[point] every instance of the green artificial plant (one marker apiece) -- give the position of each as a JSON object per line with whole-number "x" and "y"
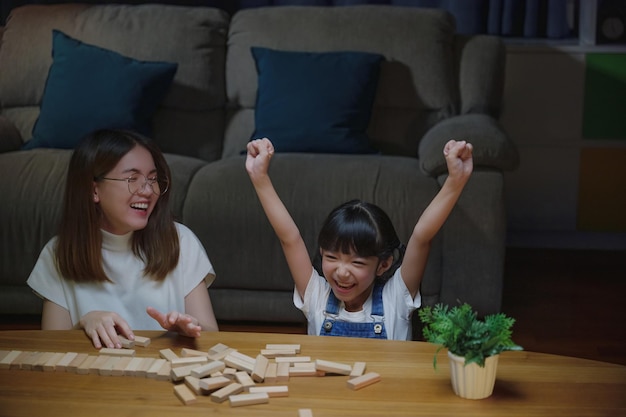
{"x": 461, "y": 331}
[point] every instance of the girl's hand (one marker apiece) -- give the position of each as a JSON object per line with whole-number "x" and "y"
{"x": 260, "y": 152}
{"x": 459, "y": 159}
{"x": 102, "y": 328}
{"x": 176, "y": 322}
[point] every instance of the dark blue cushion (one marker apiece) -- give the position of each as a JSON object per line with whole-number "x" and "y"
{"x": 89, "y": 88}
{"x": 315, "y": 102}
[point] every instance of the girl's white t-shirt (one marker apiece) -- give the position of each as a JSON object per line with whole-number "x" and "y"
{"x": 129, "y": 293}
{"x": 398, "y": 306}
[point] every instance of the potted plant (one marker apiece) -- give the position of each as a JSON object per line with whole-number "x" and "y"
{"x": 473, "y": 344}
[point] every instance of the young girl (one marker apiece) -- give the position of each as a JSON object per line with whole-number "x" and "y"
{"x": 120, "y": 262}
{"x": 363, "y": 292}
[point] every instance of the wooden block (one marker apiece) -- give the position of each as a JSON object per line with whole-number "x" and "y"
{"x": 186, "y": 352}
{"x": 213, "y": 383}
{"x": 238, "y": 400}
{"x": 76, "y": 362}
{"x": 239, "y": 363}
{"x": 219, "y": 356}
{"x": 229, "y": 373}
{"x": 305, "y": 412}
{"x": 179, "y": 373}
{"x": 142, "y": 369}
{"x": 223, "y": 393}
{"x": 218, "y": 348}
{"x": 41, "y": 361}
{"x": 120, "y": 367}
{"x": 244, "y": 379}
{"x": 95, "y": 366}
{"x": 154, "y": 368}
{"x": 358, "y": 369}
{"x": 208, "y": 369}
{"x": 280, "y": 346}
{"x": 116, "y": 352}
{"x": 242, "y": 356}
{"x": 168, "y": 354}
{"x": 84, "y": 366}
{"x": 282, "y": 372}
{"x": 28, "y": 361}
{"x": 293, "y": 359}
{"x": 133, "y": 365}
{"x": 142, "y": 341}
{"x": 17, "y": 362}
{"x": 274, "y": 353}
{"x": 189, "y": 360}
{"x": 363, "y": 380}
{"x": 164, "y": 374}
{"x": 107, "y": 368}
{"x": 193, "y": 383}
{"x": 271, "y": 391}
{"x": 126, "y": 344}
{"x": 184, "y": 394}
{"x": 333, "y": 367}
{"x": 65, "y": 361}
{"x": 5, "y": 363}
{"x": 307, "y": 369}
{"x": 260, "y": 365}
{"x": 3, "y": 353}
{"x": 270, "y": 372}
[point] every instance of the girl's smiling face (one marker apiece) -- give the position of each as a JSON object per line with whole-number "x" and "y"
{"x": 351, "y": 277}
{"x": 123, "y": 212}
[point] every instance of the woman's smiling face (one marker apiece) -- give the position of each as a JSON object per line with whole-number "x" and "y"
{"x": 123, "y": 212}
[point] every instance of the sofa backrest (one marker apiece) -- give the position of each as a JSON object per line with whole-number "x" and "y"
{"x": 190, "y": 120}
{"x": 417, "y": 85}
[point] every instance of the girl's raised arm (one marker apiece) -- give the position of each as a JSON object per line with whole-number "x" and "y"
{"x": 260, "y": 152}
{"x": 459, "y": 160}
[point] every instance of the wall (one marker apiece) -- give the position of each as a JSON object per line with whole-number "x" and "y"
{"x": 570, "y": 190}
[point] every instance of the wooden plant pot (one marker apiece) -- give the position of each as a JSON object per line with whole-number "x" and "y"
{"x": 472, "y": 381}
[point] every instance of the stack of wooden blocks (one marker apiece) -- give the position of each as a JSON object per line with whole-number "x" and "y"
{"x": 222, "y": 373}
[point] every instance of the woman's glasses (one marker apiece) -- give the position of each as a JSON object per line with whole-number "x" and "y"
{"x": 158, "y": 186}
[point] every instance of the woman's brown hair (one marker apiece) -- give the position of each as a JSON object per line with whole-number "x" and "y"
{"x": 79, "y": 241}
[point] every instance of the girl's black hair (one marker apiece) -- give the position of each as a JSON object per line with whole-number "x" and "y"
{"x": 364, "y": 228}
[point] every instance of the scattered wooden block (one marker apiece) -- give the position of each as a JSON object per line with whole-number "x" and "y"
{"x": 358, "y": 369}
{"x": 185, "y": 352}
{"x": 194, "y": 384}
{"x": 281, "y": 346}
{"x": 208, "y": 369}
{"x": 305, "y": 412}
{"x": 244, "y": 379}
{"x": 189, "y": 360}
{"x": 178, "y": 373}
{"x": 238, "y": 400}
{"x": 303, "y": 369}
{"x": 142, "y": 341}
{"x": 239, "y": 363}
{"x": 214, "y": 383}
{"x": 223, "y": 393}
{"x": 126, "y": 344}
{"x": 270, "y": 373}
{"x": 271, "y": 391}
{"x": 282, "y": 372}
{"x": 363, "y": 380}
{"x": 229, "y": 373}
{"x": 274, "y": 353}
{"x": 184, "y": 394}
{"x": 293, "y": 359}
{"x": 116, "y": 352}
{"x": 168, "y": 354}
{"x": 333, "y": 367}
{"x": 260, "y": 366}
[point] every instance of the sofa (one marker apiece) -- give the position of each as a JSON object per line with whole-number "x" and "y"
{"x": 430, "y": 85}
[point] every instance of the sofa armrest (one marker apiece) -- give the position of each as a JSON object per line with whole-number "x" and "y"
{"x": 492, "y": 146}
{"x": 10, "y": 138}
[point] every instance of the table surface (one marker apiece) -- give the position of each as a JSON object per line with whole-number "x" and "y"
{"x": 527, "y": 383}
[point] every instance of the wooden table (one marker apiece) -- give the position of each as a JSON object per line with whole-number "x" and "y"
{"x": 528, "y": 384}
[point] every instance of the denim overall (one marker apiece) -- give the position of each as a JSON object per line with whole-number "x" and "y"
{"x": 373, "y": 330}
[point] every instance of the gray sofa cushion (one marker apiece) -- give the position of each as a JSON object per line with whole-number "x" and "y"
{"x": 412, "y": 94}
{"x": 195, "y": 38}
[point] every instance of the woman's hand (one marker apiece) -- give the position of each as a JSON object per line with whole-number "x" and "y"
{"x": 102, "y": 327}
{"x": 176, "y": 322}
